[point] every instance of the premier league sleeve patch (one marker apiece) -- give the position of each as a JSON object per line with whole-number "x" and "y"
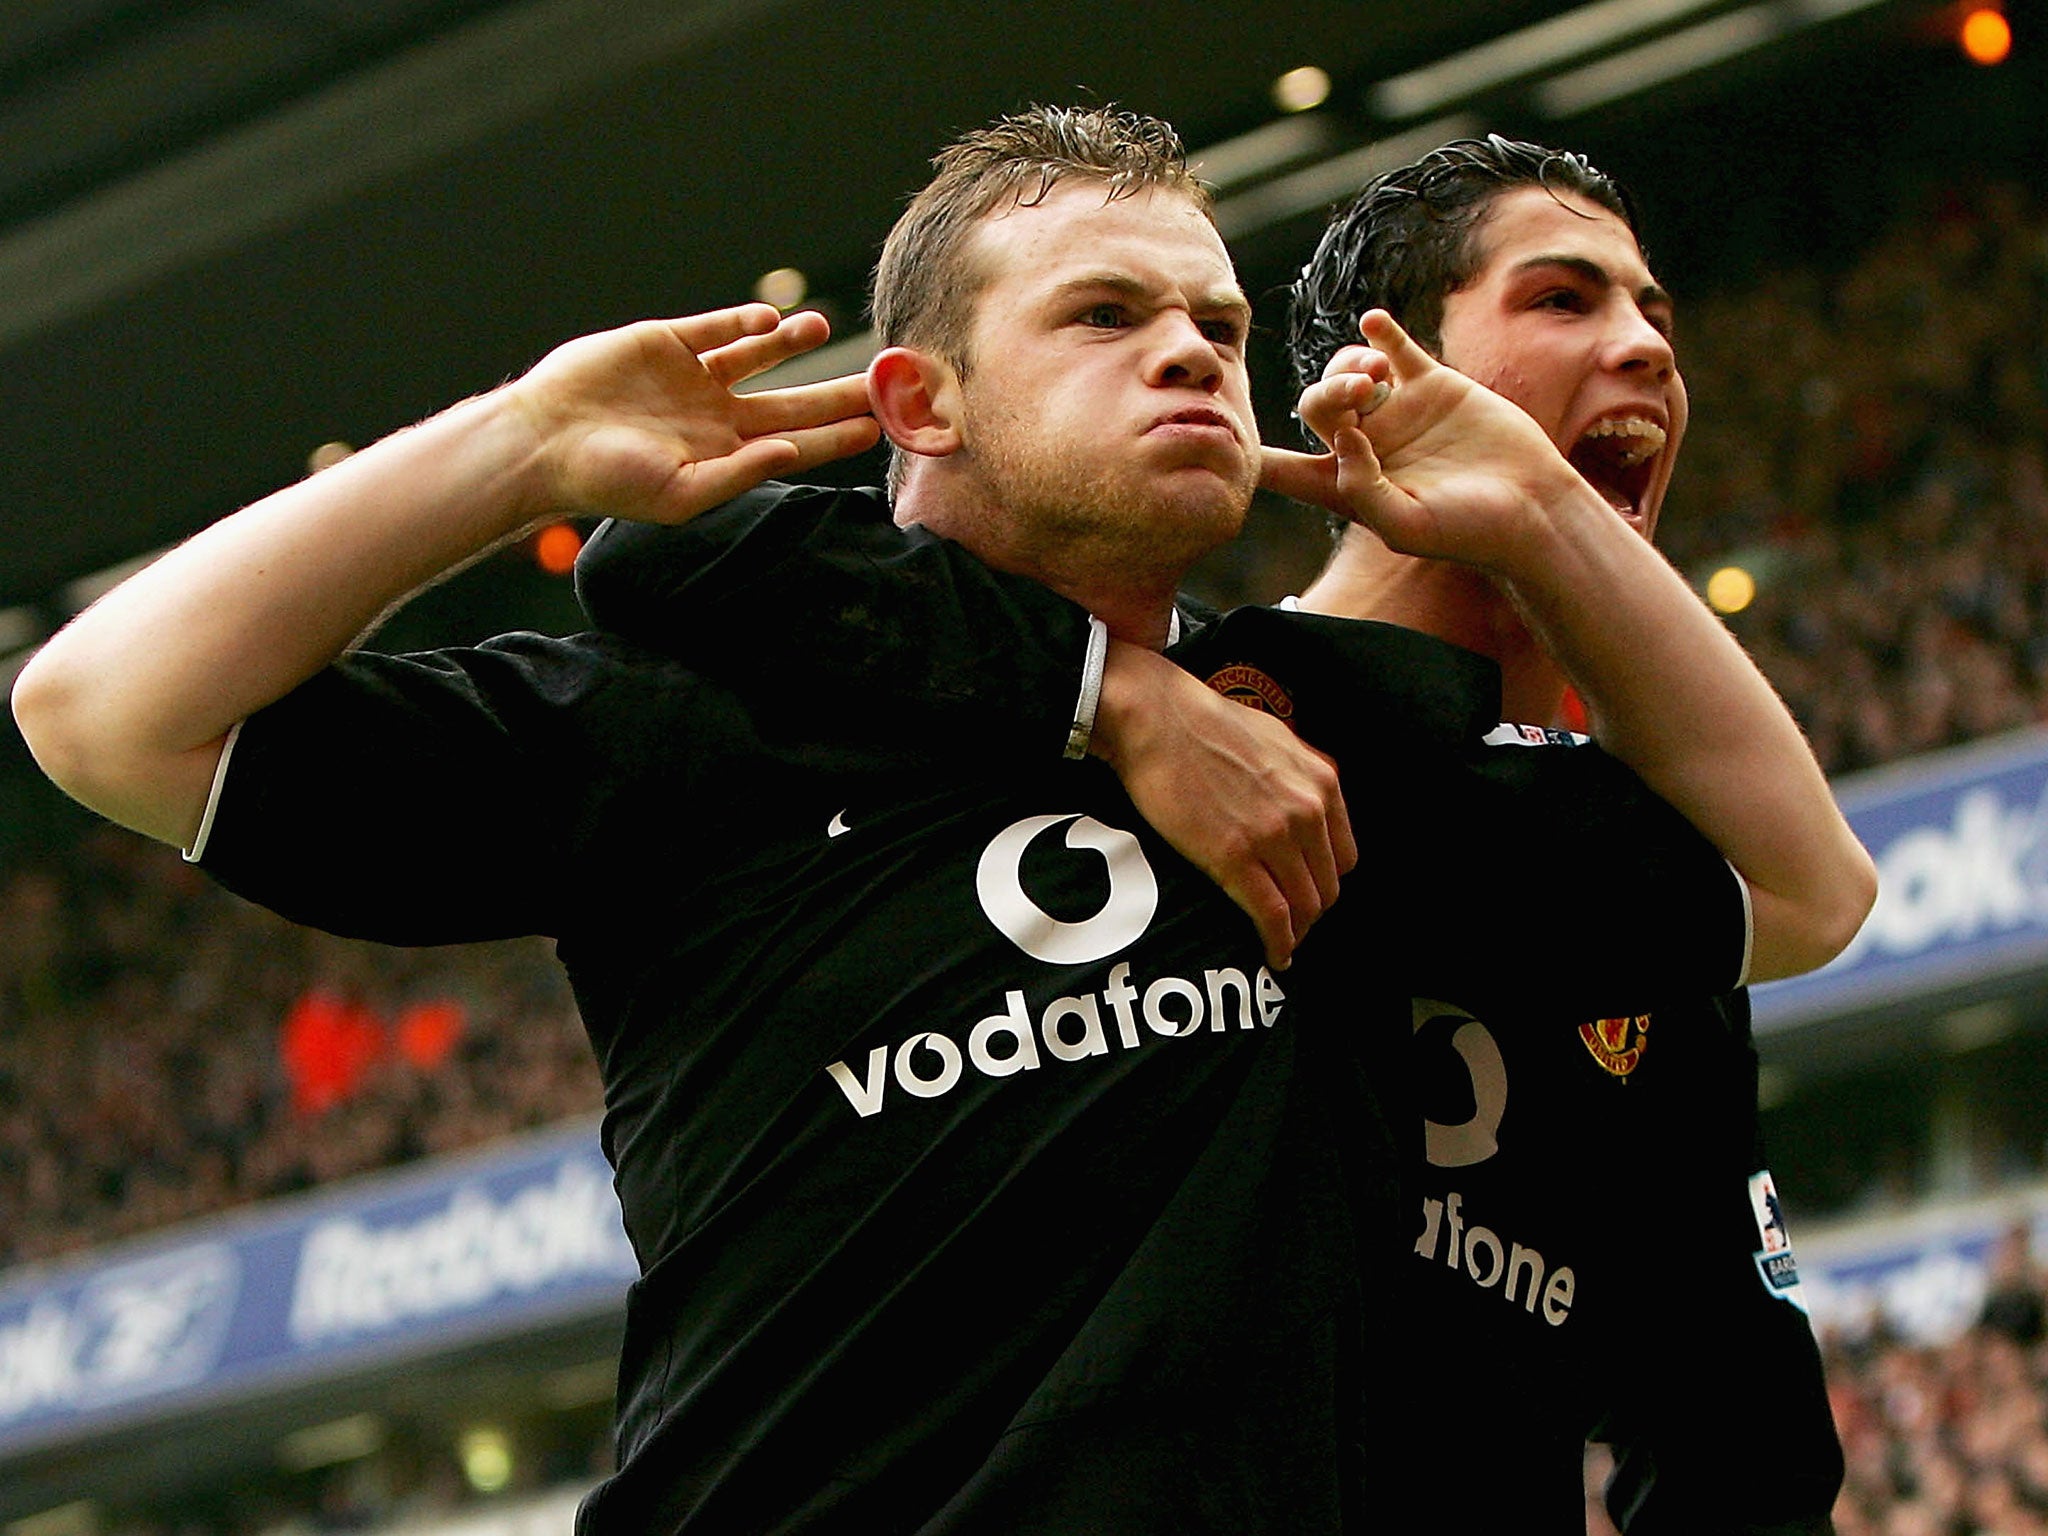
{"x": 1508, "y": 734}
{"x": 1774, "y": 1260}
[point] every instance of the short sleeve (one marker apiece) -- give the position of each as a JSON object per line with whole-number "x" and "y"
{"x": 1484, "y": 871}
{"x": 432, "y": 798}
{"x": 1551, "y": 867}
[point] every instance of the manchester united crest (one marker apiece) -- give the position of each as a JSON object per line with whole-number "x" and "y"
{"x": 1617, "y": 1044}
{"x": 1250, "y": 686}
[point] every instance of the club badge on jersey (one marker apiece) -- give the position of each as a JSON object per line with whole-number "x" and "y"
{"x": 1508, "y": 734}
{"x": 1249, "y": 686}
{"x": 1617, "y": 1044}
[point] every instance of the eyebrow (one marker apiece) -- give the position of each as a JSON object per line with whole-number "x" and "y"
{"x": 1229, "y": 301}
{"x": 1593, "y": 272}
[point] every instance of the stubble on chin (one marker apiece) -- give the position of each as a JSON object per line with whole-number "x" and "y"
{"x": 1068, "y": 510}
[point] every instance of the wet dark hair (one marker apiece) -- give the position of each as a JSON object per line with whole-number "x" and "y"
{"x": 1406, "y": 242}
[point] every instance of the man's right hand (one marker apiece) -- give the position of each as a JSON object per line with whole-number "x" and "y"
{"x": 644, "y": 422}
{"x": 1235, "y": 792}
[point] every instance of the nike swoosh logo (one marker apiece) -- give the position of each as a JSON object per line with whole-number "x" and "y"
{"x": 838, "y": 827}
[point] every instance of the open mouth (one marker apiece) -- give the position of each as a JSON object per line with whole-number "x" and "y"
{"x": 1617, "y": 456}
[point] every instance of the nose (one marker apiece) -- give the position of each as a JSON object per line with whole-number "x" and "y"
{"x": 1183, "y": 355}
{"x": 1638, "y": 346}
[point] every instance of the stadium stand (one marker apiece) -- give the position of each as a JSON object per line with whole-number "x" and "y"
{"x": 1889, "y": 487}
{"x": 168, "y": 1051}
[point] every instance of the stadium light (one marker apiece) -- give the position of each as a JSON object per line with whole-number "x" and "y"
{"x": 1686, "y": 52}
{"x": 486, "y": 1456}
{"x": 1321, "y": 184}
{"x": 1731, "y": 589}
{"x": 784, "y": 287}
{"x": 1986, "y": 36}
{"x": 1300, "y": 89}
{"x": 1654, "y": 63}
{"x": 556, "y": 547}
{"x": 327, "y": 455}
{"x": 326, "y": 1445}
{"x": 1282, "y": 142}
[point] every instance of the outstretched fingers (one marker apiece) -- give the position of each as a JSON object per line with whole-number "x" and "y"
{"x": 699, "y": 484}
{"x": 1347, "y": 480}
{"x": 1303, "y": 477}
{"x": 716, "y": 328}
{"x": 831, "y": 441}
{"x": 824, "y": 421}
{"x": 1402, "y": 351}
{"x": 802, "y": 405}
{"x": 755, "y": 352}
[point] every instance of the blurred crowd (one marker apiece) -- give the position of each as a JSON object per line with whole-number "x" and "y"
{"x": 168, "y": 1050}
{"x": 1871, "y": 445}
{"x": 1950, "y": 1439}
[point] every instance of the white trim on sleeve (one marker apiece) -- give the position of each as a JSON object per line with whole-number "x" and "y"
{"x": 220, "y": 774}
{"x": 1748, "y": 927}
{"x": 1091, "y": 689}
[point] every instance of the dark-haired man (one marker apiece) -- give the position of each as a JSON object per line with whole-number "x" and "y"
{"x": 1623, "y": 1148}
{"x": 981, "y": 1177}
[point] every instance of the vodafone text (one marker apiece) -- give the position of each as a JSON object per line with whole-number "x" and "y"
{"x": 1487, "y": 1262}
{"x": 1476, "y": 1251}
{"x": 1007, "y": 1041}
{"x": 1070, "y": 1028}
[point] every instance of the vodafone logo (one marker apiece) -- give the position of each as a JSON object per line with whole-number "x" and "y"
{"x": 1133, "y": 892}
{"x": 1474, "y": 1140}
{"x": 1516, "y": 1272}
{"x": 1104, "y": 1013}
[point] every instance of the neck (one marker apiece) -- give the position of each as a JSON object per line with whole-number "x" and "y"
{"x": 1134, "y": 601}
{"x": 1366, "y": 580}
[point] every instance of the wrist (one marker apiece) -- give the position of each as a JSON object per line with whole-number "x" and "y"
{"x": 1561, "y": 519}
{"x": 1129, "y": 679}
{"x": 517, "y": 443}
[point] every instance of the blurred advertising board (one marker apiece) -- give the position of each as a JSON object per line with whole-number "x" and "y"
{"x": 1961, "y": 843}
{"x": 1922, "y": 1275}
{"x": 406, "y": 1263}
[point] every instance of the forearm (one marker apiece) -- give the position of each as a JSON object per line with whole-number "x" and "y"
{"x": 127, "y": 707}
{"x": 1672, "y": 694}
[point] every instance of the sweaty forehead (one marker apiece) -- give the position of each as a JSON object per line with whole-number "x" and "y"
{"x": 1153, "y": 239}
{"x": 1526, "y": 224}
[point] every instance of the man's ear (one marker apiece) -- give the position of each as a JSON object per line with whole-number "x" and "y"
{"x": 916, "y": 397}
